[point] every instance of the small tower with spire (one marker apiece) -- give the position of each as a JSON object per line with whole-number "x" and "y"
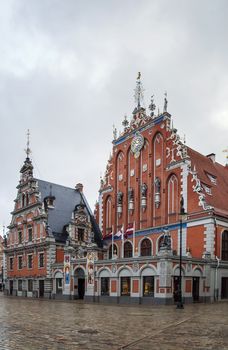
{"x": 27, "y": 168}
{"x": 138, "y": 93}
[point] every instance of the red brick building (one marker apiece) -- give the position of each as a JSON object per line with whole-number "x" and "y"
{"x": 148, "y": 173}
{"x": 47, "y": 221}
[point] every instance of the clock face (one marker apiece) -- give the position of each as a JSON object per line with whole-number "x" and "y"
{"x": 137, "y": 144}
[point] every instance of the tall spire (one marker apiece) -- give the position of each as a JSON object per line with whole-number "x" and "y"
{"x": 27, "y": 168}
{"x": 138, "y": 91}
{"x": 28, "y": 150}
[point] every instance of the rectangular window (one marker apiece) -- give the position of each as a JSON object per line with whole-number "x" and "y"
{"x": 19, "y": 285}
{"x": 81, "y": 234}
{"x": 104, "y": 285}
{"x": 30, "y": 285}
{"x": 125, "y": 286}
{"x": 19, "y": 237}
{"x": 30, "y": 261}
{"x": 30, "y": 234}
{"x": 41, "y": 260}
{"x": 11, "y": 263}
{"x": 148, "y": 286}
{"x": 19, "y": 262}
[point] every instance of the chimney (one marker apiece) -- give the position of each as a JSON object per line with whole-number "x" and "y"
{"x": 79, "y": 187}
{"x": 211, "y": 156}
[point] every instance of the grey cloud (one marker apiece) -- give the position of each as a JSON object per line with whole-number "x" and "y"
{"x": 68, "y": 69}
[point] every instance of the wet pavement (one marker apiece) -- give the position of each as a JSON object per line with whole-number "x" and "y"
{"x": 48, "y": 324}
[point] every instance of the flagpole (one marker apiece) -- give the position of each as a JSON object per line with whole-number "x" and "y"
{"x": 112, "y": 242}
{"x": 134, "y": 239}
{"x": 122, "y": 241}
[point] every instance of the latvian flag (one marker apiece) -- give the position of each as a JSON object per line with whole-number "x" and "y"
{"x": 120, "y": 233}
{"x": 129, "y": 230}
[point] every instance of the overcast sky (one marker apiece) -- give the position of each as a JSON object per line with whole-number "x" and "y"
{"x": 68, "y": 71}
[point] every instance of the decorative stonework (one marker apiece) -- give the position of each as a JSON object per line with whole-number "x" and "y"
{"x": 198, "y": 189}
{"x": 135, "y": 267}
{"x": 179, "y": 148}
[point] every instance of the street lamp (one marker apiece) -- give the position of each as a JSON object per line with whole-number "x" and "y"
{"x": 182, "y": 216}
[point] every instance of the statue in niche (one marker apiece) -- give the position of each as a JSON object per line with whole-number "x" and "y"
{"x": 130, "y": 194}
{"x": 165, "y": 103}
{"x": 165, "y": 241}
{"x": 144, "y": 190}
{"x": 157, "y": 183}
{"x": 119, "y": 198}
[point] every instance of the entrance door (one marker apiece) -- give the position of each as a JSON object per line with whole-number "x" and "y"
{"x": 195, "y": 289}
{"x": 41, "y": 288}
{"x": 81, "y": 288}
{"x": 224, "y": 291}
{"x": 79, "y": 283}
{"x": 11, "y": 287}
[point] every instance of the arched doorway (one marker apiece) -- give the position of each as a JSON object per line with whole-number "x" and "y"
{"x": 196, "y": 285}
{"x": 79, "y": 283}
{"x": 58, "y": 283}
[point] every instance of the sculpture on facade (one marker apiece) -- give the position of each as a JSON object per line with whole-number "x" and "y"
{"x": 165, "y": 241}
{"x": 157, "y": 191}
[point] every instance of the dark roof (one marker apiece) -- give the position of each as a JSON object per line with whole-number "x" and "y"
{"x": 219, "y": 191}
{"x": 66, "y": 199}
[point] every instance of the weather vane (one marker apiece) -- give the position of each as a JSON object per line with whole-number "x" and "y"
{"x": 28, "y": 150}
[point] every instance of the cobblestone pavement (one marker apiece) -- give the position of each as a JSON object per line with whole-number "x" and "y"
{"x": 48, "y": 324}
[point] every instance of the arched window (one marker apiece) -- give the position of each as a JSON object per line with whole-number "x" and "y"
{"x": 110, "y": 251}
{"x": 225, "y": 245}
{"x": 120, "y": 167}
{"x": 145, "y": 247}
{"x": 23, "y": 200}
{"x": 27, "y": 199}
{"x": 127, "y": 250}
{"x": 158, "y": 150}
{"x": 172, "y": 199}
{"x": 108, "y": 215}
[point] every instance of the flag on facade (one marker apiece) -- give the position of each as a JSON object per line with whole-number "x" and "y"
{"x": 120, "y": 233}
{"x": 129, "y": 230}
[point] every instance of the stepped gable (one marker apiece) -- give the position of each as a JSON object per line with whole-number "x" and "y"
{"x": 204, "y": 166}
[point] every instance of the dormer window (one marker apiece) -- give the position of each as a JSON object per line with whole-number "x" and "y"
{"x": 49, "y": 202}
{"x": 207, "y": 189}
{"x": 212, "y": 178}
{"x": 81, "y": 234}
